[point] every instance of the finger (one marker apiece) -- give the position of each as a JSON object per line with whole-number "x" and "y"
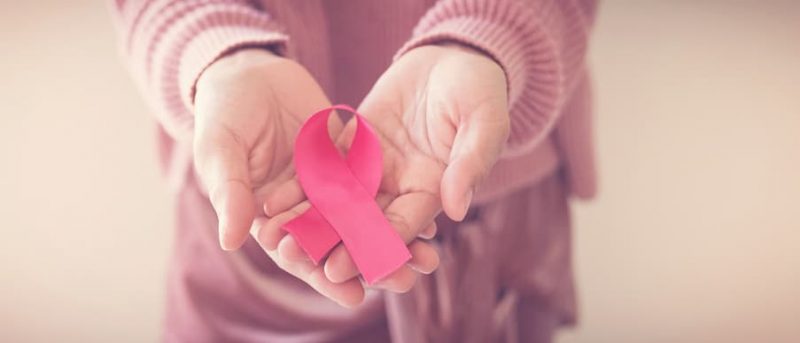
{"x": 258, "y": 224}
{"x": 221, "y": 164}
{"x": 476, "y": 147}
{"x": 271, "y": 231}
{"x": 424, "y": 257}
{"x": 429, "y": 232}
{"x": 347, "y": 294}
{"x": 412, "y": 213}
{"x": 339, "y": 266}
{"x": 425, "y": 260}
{"x": 409, "y": 214}
{"x": 289, "y": 250}
{"x": 283, "y": 197}
{"x": 399, "y": 281}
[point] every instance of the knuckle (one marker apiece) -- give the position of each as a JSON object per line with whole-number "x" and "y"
{"x": 406, "y": 285}
{"x": 400, "y": 223}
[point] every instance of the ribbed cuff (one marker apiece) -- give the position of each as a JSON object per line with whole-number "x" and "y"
{"x": 540, "y": 45}
{"x": 213, "y": 43}
{"x": 197, "y": 39}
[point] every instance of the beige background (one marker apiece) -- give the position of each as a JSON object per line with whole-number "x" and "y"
{"x": 695, "y": 237}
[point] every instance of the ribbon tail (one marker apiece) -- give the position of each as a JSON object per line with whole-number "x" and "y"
{"x": 313, "y": 233}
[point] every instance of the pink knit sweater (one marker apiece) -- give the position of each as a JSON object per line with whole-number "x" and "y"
{"x": 505, "y": 274}
{"x": 346, "y": 45}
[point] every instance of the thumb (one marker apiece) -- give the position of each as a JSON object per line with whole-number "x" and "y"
{"x": 478, "y": 142}
{"x": 221, "y": 163}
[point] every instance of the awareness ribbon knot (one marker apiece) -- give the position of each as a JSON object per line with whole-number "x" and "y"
{"x": 342, "y": 196}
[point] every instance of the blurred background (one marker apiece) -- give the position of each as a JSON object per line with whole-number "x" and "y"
{"x": 695, "y": 236}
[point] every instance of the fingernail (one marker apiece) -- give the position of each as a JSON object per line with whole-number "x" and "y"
{"x": 468, "y": 199}
{"x": 221, "y": 232}
{"x": 222, "y": 241}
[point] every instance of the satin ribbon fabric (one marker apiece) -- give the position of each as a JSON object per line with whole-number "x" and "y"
{"x": 342, "y": 196}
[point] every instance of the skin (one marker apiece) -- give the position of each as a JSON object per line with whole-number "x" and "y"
{"x": 441, "y": 113}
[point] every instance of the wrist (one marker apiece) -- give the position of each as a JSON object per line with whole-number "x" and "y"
{"x": 446, "y": 50}
{"x": 235, "y": 64}
{"x": 455, "y": 46}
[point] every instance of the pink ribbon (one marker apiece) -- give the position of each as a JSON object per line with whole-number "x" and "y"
{"x": 342, "y": 196}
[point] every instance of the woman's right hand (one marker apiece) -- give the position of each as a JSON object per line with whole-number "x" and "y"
{"x": 248, "y": 109}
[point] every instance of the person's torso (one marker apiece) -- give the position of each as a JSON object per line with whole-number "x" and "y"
{"x": 346, "y": 44}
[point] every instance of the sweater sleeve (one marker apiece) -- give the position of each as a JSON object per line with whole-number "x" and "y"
{"x": 168, "y": 43}
{"x": 540, "y": 44}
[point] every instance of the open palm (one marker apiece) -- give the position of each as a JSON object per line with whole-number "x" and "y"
{"x": 248, "y": 109}
{"x": 441, "y": 114}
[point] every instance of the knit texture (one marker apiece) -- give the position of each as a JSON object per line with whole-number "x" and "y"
{"x": 170, "y": 43}
{"x": 540, "y": 44}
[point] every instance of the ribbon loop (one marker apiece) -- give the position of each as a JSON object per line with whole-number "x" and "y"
{"x": 342, "y": 196}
